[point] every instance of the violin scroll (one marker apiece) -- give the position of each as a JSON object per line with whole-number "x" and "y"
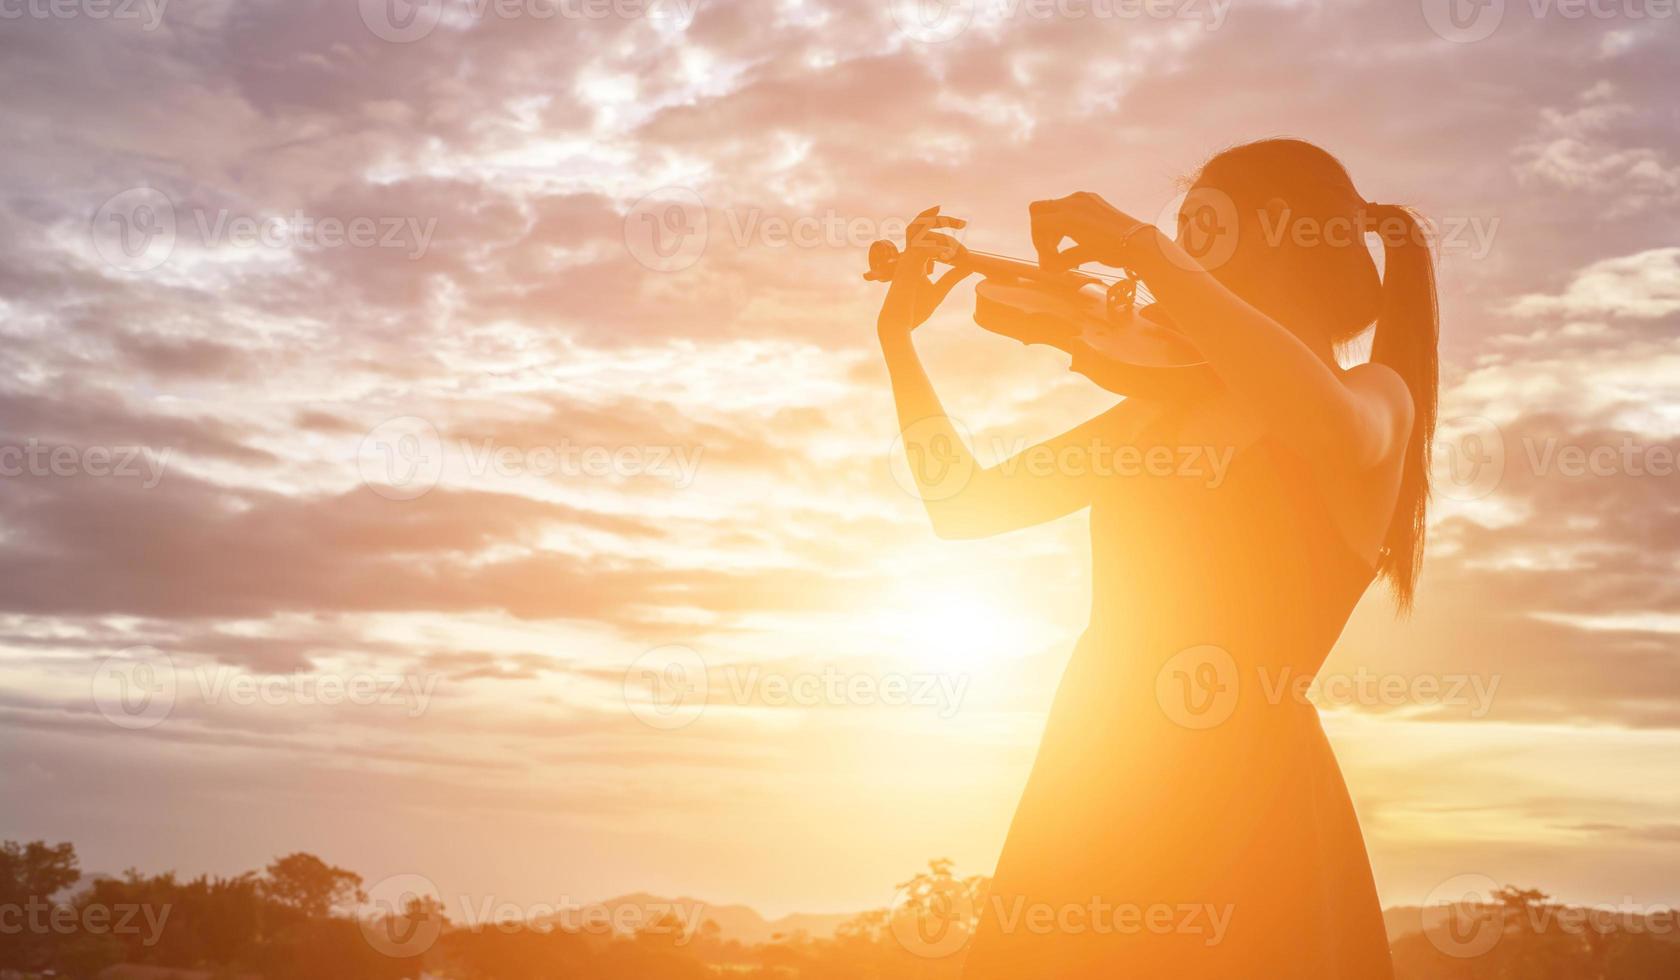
{"x": 883, "y": 260}
{"x": 884, "y": 256}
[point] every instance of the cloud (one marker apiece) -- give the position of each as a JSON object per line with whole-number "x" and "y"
{"x": 1579, "y": 149}
{"x": 1644, "y": 286}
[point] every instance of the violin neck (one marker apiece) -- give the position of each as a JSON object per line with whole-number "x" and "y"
{"x": 1002, "y": 267}
{"x": 884, "y": 257}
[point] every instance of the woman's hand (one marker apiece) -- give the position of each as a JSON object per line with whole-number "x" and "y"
{"x": 1100, "y": 231}
{"x": 913, "y": 295}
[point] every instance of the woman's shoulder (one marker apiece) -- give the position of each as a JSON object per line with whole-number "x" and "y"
{"x": 1381, "y": 382}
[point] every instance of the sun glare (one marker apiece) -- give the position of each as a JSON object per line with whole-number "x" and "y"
{"x": 954, "y": 630}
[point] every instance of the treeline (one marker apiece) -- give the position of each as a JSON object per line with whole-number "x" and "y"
{"x": 292, "y": 920}
{"x": 298, "y": 918}
{"x": 1522, "y": 935}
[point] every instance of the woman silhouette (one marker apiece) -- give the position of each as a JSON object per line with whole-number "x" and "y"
{"x": 1185, "y": 816}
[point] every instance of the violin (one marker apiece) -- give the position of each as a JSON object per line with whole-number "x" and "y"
{"x": 1126, "y": 347}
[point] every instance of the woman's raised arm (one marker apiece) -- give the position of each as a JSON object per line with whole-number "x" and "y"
{"x": 1361, "y": 416}
{"x": 963, "y": 499}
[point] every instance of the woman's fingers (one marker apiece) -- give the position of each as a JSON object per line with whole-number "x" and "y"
{"x": 916, "y": 261}
{"x": 1098, "y": 229}
{"x": 919, "y": 224}
{"x": 1049, "y": 227}
{"x": 931, "y": 216}
{"x": 935, "y": 245}
{"x": 924, "y": 224}
{"x": 1072, "y": 258}
{"x": 937, "y": 221}
{"x": 913, "y": 296}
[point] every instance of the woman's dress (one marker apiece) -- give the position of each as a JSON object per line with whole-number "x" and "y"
{"x": 1185, "y": 816}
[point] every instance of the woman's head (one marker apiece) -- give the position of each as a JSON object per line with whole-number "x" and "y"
{"x": 1280, "y": 223}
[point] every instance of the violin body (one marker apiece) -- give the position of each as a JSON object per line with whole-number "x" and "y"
{"x": 1127, "y": 349}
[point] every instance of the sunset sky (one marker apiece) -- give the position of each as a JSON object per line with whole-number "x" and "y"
{"x": 591, "y": 372}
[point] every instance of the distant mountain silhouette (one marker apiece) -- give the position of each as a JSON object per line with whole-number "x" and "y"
{"x": 745, "y": 925}
{"x": 68, "y": 892}
{"x": 1403, "y": 920}
{"x": 735, "y": 922}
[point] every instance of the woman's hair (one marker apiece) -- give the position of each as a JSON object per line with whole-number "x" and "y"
{"x": 1280, "y": 186}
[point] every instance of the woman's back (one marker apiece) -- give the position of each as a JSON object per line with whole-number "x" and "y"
{"x": 1224, "y": 542}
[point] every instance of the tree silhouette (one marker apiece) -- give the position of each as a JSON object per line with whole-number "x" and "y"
{"x": 310, "y": 886}
{"x": 30, "y": 875}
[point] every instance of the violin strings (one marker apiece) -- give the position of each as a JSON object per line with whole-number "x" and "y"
{"x": 1145, "y": 297}
{"x": 1012, "y": 258}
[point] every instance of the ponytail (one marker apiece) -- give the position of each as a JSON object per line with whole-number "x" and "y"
{"x": 1407, "y": 338}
